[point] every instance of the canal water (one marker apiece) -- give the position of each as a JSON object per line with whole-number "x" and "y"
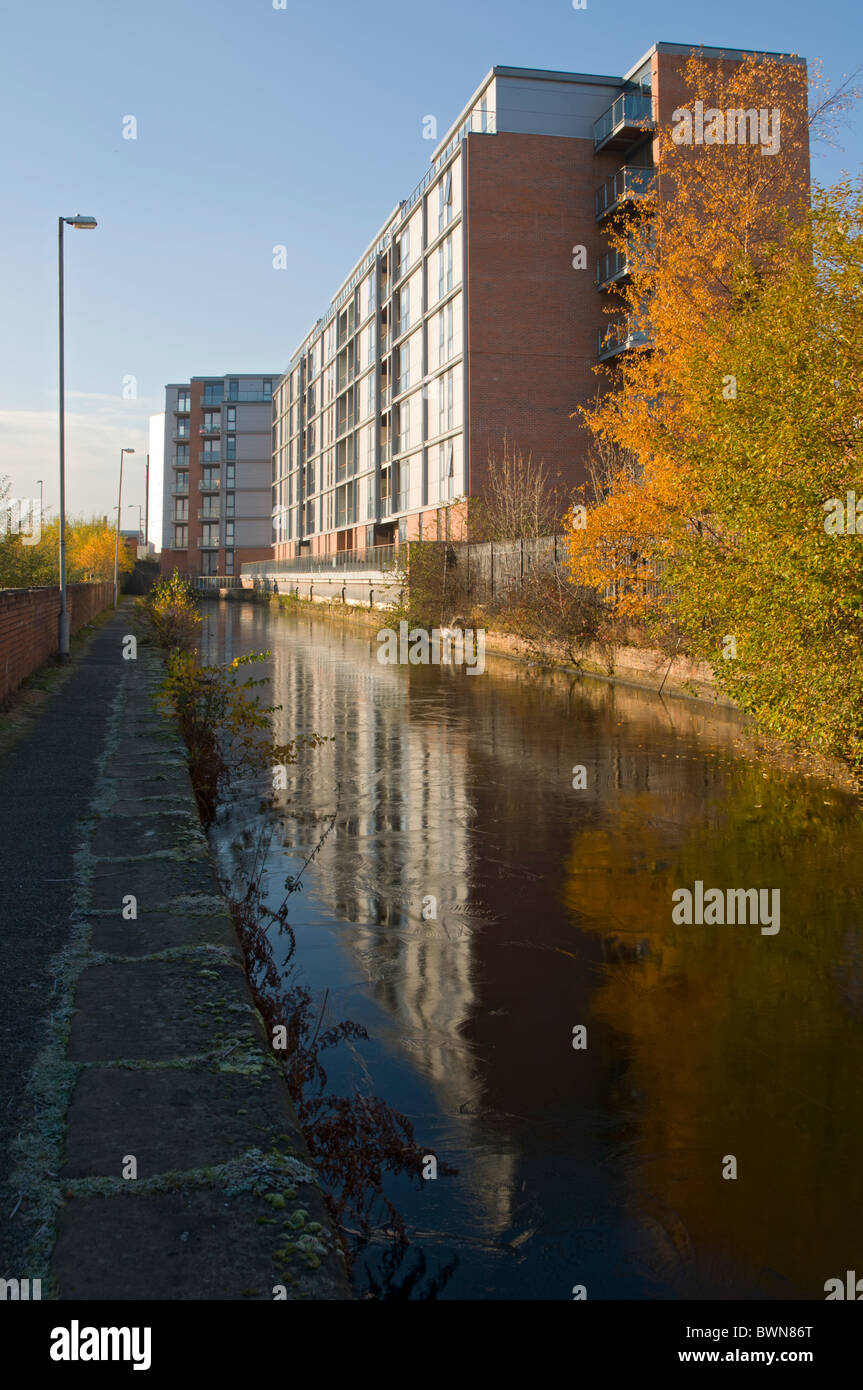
{"x": 709, "y": 1049}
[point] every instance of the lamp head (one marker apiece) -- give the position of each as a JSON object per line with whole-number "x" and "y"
{"x": 83, "y": 223}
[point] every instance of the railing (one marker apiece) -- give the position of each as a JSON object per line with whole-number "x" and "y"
{"x": 209, "y": 485}
{"x": 385, "y": 342}
{"x": 205, "y": 582}
{"x": 176, "y": 517}
{"x": 386, "y": 397}
{"x": 627, "y": 183}
{"x": 178, "y": 491}
{"x": 207, "y": 514}
{"x": 620, "y": 337}
{"x": 204, "y": 544}
{"x": 209, "y": 456}
{"x": 614, "y": 265}
{"x": 630, "y": 113}
{"x": 210, "y": 429}
{"x": 180, "y": 461}
{"x": 376, "y": 557}
{"x": 183, "y": 406}
{"x": 248, "y": 397}
{"x": 181, "y": 433}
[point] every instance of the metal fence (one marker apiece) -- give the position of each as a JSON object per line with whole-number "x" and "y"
{"x": 375, "y": 557}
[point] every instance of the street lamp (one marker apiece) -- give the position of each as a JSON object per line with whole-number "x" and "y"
{"x": 119, "y": 518}
{"x": 84, "y": 224}
{"x": 132, "y": 506}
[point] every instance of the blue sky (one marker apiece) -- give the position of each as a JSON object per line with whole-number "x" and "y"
{"x": 256, "y": 127}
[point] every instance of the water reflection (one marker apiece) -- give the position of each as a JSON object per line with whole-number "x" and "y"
{"x": 553, "y": 908}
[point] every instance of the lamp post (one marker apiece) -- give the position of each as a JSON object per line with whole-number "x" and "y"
{"x": 132, "y": 506}
{"x": 84, "y": 224}
{"x": 119, "y": 518}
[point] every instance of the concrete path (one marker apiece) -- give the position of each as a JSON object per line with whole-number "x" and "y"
{"x": 157, "y": 1153}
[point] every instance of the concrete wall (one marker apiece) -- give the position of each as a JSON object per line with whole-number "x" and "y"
{"x": 28, "y": 626}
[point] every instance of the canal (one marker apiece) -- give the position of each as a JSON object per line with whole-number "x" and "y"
{"x": 595, "y": 1071}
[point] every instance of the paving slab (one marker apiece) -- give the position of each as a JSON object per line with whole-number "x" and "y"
{"x": 172, "y": 1120}
{"x": 153, "y": 932}
{"x": 153, "y": 882}
{"x": 154, "y": 1010}
{"x": 194, "y": 1245}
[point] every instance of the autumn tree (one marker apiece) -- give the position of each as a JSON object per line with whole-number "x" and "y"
{"x": 740, "y": 415}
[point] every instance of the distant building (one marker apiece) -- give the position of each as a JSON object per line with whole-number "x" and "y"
{"x": 216, "y": 463}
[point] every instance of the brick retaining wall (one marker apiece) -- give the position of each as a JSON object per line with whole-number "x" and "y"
{"x": 28, "y": 626}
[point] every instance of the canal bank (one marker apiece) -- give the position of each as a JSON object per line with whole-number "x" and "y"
{"x": 158, "y": 1154}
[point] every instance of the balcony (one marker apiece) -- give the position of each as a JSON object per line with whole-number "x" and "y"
{"x": 624, "y": 122}
{"x": 626, "y": 186}
{"x": 213, "y": 397}
{"x": 180, "y": 461}
{"x": 611, "y": 269}
{"x": 207, "y": 514}
{"x": 249, "y": 398}
{"x": 385, "y": 343}
{"x": 209, "y": 484}
{"x": 177, "y": 517}
{"x": 182, "y": 406}
{"x": 181, "y": 430}
{"x": 209, "y": 456}
{"x": 386, "y": 451}
{"x": 386, "y": 397}
{"x": 215, "y": 428}
{"x": 180, "y": 489}
{"x": 204, "y": 544}
{"x": 621, "y": 336}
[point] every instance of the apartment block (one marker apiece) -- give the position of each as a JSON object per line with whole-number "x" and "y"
{"x": 478, "y": 311}
{"x": 216, "y": 469}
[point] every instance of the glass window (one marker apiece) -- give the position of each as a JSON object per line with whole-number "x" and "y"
{"x": 404, "y": 366}
{"x": 229, "y": 562}
{"x": 229, "y": 533}
{"x": 268, "y": 386}
{"x": 229, "y": 474}
{"x": 233, "y": 388}
{"x": 232, "y": 417}
{"x": 229, "y": 503}
{"x": 181, "y": 537}
{"x": 404, "y": 308}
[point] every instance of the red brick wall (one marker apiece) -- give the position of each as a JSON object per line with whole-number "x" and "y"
{"x": 532, "y": 319}
{"x": 28, "y": 626}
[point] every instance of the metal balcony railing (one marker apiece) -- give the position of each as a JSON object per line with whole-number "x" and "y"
{"x": 180, "y": 461}
{"x": 182, "y": 518}
{"x": 620, "y": 337}
{"x": 205, "y": 543}
{"x": 611, "y": 268}
{"x": 628, "y": 184}
{"x": 625, "y": 120}
{"x": 179, "y": 490}
{"x": 376, "y": 557}
{"x": 209, "y": 484}
{"x": 207, "y": 514}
